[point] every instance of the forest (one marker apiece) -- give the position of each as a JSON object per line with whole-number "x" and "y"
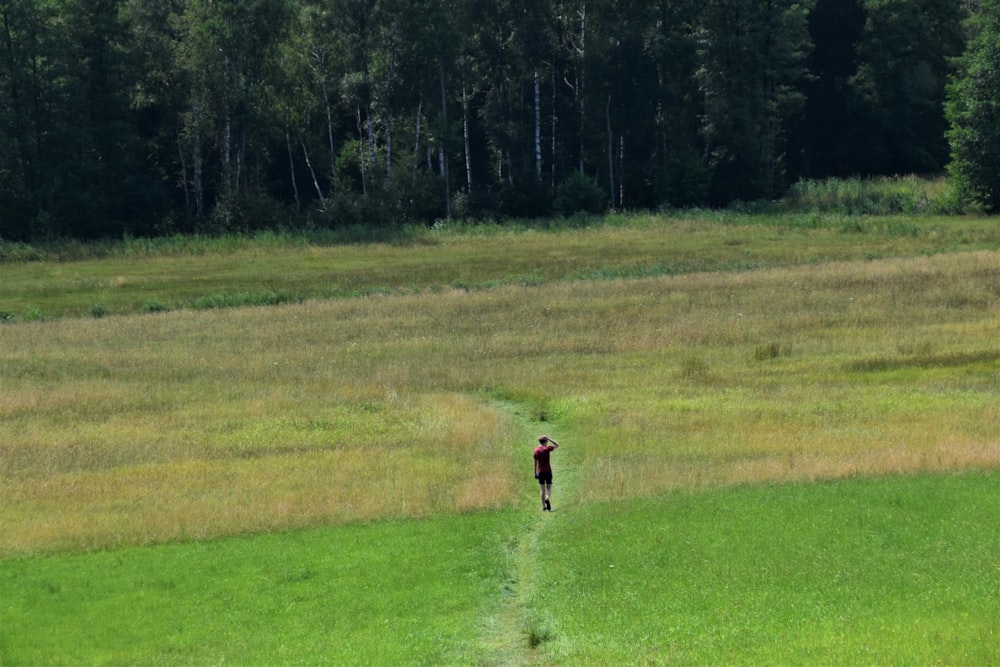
{"x": 147, "y": 117}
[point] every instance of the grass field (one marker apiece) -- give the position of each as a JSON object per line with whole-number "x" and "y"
{"x": 387, "y": 593}
{"x": 268, "y": 269}
{"x": 780, "y": 443}
{"x": 895, "y": 570}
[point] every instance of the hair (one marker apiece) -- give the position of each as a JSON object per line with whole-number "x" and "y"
{"x": 543, "y": 439}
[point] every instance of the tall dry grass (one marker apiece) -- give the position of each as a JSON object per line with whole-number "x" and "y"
{"x": 864, "y": 368}
{"x": 185, "y": 425}
{"x": 188, "y": 425}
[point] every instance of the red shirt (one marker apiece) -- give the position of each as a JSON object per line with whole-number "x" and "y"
{"x": 542, "y": 458}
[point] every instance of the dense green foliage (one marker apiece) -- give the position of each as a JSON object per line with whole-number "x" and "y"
{"x": 974, "y": 110}
{"x": 142, "y": 117}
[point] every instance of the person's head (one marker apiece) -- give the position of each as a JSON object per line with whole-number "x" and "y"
{"x": 544, "y": 439}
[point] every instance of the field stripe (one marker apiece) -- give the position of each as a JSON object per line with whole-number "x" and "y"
{"x": 516, "y": 632}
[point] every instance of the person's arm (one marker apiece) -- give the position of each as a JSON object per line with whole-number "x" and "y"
{"x": 551, "y": 441}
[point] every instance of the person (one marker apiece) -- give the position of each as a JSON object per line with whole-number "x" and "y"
{"x": 543, "y": 469}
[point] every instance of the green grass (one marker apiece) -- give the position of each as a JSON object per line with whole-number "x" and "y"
{"x": 391, "y": 593}
{"x": 270, "y": 269}
{"x": 898, "y": 570}
{"x": 862, "y": 571}
{"x": 910, "y": 195}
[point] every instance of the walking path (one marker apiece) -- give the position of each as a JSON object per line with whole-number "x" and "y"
{"x": 513, "y": 636}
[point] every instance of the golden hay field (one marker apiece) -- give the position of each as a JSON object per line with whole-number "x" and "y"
{"x": 194, "y": 424}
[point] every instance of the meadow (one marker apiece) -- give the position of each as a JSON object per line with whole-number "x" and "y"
{"x": 780, "y": 436}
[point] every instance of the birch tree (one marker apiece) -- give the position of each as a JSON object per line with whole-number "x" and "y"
{"x": 318, "y": 50}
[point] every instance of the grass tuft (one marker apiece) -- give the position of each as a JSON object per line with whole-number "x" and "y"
{"x": 771, "y": 351}
{"x": 537, "y": 635}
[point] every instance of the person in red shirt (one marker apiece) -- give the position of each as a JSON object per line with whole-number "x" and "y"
{"x": 543, "y": 469}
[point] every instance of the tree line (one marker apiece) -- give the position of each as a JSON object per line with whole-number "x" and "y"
{"x": 160, "y": 116}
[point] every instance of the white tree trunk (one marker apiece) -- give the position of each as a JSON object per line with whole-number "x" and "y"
{"x": 368, "y": 118}
{"x": 227, "y": 132}
{"x": 416, "y": 142}
{"x": 388, "y": 150}
{"x": 241, "y": 153}
{"x": 388, "y": 113}
{"x": 552, "y": 158}
{"x": 197, "y": 184}
{"x": 465, "y": 136}
{"x": 611, "y": 154}
{"x": 580, "y": 82}
{"x": 538, "y": 129}
{"x": 371, "y": 140}
{"x": 312, "y": 172}
{"x": 442, "y": 155}
{"x": 329, "y": 136}
{"x": 621, "y": 171}
{"x": 291, "y": 169}
{"x": 184, "y": 176}
{"x": 361, "y": 154}
{"x": 227, "y": 152}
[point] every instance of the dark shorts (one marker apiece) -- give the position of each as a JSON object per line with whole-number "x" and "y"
{"x": 544, "y": 477}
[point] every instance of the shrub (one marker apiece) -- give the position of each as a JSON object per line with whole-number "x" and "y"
{"x": 909, "y": 195}
{"x": 686, "y": 181}
{"x": 529, "y": 198}
{"x": 579, "y": 194}
{"x": 246, "y": 212}
{"x": 420, "y": 196}
{"x": 341, "y": 210}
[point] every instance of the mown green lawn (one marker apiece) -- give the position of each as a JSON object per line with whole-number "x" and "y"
{"x": 895, "y": 570}
{"x": 388, "y": 593}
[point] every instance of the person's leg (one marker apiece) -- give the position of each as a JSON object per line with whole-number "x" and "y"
{"x": 545, "y": 484}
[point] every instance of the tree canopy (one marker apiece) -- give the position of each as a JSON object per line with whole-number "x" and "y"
{"x": 974, "y": 110}
{"x": 154, "y": 116}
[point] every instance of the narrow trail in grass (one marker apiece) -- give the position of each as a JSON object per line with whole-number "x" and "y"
{"x": 515, "y": 633}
